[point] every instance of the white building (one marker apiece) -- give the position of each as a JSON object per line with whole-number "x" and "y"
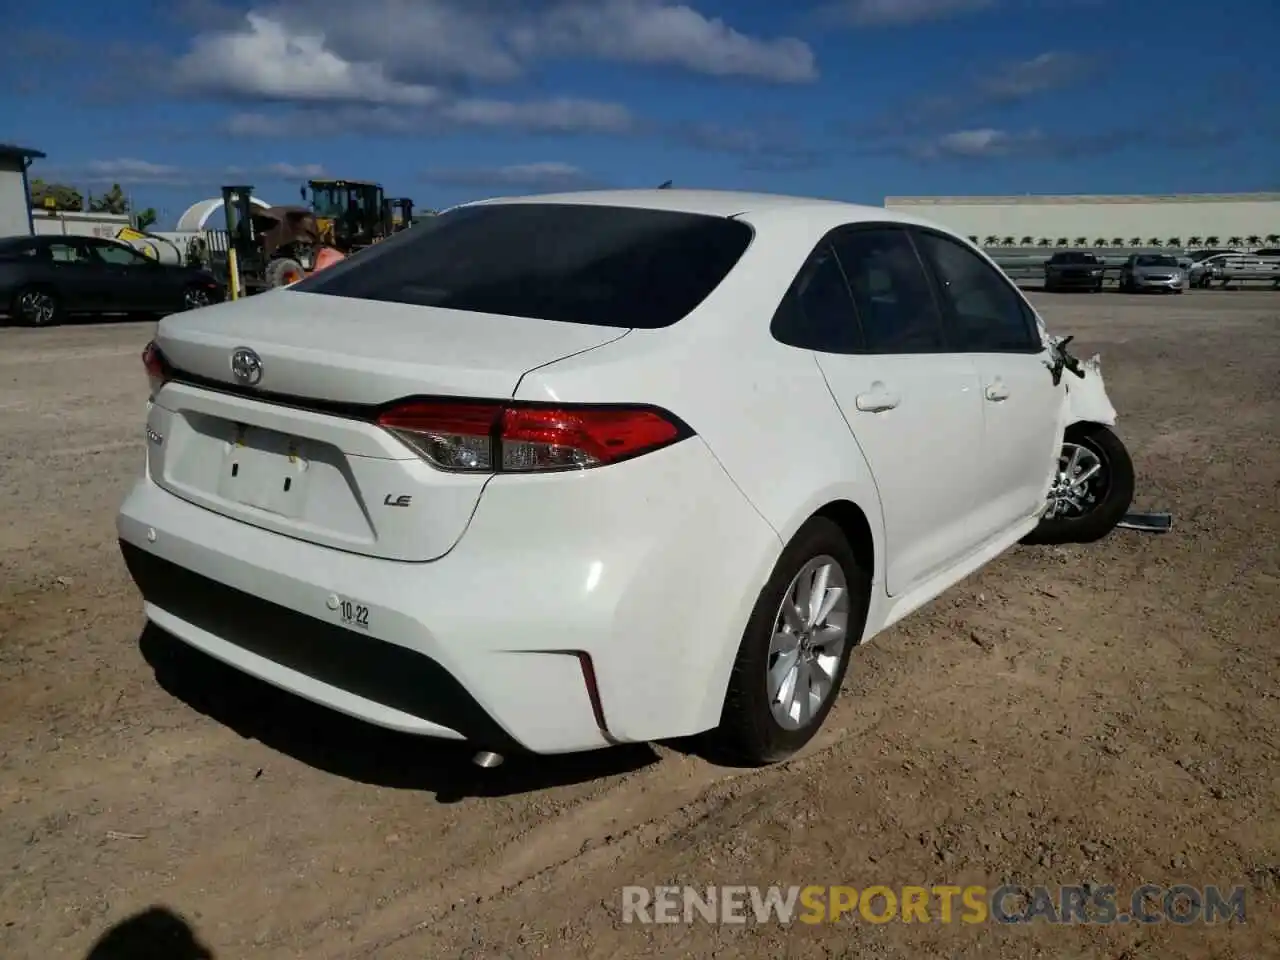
{"x": 15, "y": 194}
{"x": 1226, "y": 216}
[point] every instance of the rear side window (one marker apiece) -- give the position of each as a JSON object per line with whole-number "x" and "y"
{"x": 575, "y": 263}
{"x": 895, "y": 304}
{"x": 817, "y": 312}
{"x": 987, "y": 314}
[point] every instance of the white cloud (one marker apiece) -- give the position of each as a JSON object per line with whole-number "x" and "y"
{"x": 876, "y": 13}
{"x": 545, "y": 176}
{"x": 561, "y": 115}
{"x": 409, "y": 54}
{"x": 655, "y": 32}
{"x": 266, "y": 60}
{"x": 131, "y": 171}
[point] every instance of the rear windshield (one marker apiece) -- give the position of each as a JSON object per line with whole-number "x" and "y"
{"x": 1073, "y": 258}
{"x": 1157, "y": 261}
{"x": 576, "y": 263}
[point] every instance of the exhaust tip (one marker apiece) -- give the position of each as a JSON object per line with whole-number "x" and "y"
{"x": 487, "y": 759}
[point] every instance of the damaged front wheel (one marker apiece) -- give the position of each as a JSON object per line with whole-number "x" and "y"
{"x": 1092, "y": 487}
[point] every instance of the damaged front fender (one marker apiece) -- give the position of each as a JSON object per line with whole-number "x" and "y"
{"x": 1087, "y": 400}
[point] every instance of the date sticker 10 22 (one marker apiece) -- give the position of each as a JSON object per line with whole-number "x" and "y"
{"x": 352, "y": 614}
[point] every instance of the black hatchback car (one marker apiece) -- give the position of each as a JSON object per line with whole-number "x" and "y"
{"x": 44, "y": 279}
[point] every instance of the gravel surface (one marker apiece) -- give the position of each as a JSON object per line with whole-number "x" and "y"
{"x": 1104, "y": 714}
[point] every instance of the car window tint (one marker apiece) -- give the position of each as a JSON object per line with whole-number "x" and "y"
{"x": 896, "y": 308}
{"x": 986, "y": 313}
{"x": 116, "y": 254}
{"x": 574, "y": 263}
{"x": 68, "y": 253}
{"x": 817, "y": 313}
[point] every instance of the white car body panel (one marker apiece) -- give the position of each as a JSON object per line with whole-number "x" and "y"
{"x": 648, "y": 570}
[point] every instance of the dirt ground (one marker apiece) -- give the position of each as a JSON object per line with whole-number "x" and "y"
{"x": 1105, "y": 714}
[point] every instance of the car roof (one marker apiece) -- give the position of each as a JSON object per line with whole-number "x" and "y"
{"x": 717, "y": 203}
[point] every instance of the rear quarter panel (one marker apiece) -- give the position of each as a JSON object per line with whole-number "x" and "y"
{"x": 763, "y": 409}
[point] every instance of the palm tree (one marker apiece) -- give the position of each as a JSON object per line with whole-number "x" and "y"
{"x": 1235, "y": 242}
{"x": 1254, "y": 240}
{"x": 1007, "y": 241}
{"x": 1100, "y": 242}
{"x": 991, "y": 241}
{"x": 1117, "y": 241}
{"x": 1175, "y": 242}
{"x": 1273, "y": 238}
{"x": 1062, "y": 242}
{"x": 1044, "y": 242}
{"x": 1082, "y": 241}
{"x": 973, "y": 240}
{"x": 1211, "y": 241}
{"x": 1194, "y": 242}
{"x": 1135, "y": 241}
{"x": 1154, "y": 242}
{"x": 1028, "y": 241}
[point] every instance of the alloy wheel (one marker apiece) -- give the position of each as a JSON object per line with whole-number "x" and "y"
{"x": 37, "y": 307}
{"x": 809, "y": 635}
{"x": 1079, "y": 484}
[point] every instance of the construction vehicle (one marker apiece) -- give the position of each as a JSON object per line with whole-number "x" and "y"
{"x": 267, "y": 247}
{"x": 351, "y": 213}
{"x": 397, "y": 213}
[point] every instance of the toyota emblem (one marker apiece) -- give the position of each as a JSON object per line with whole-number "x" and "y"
{"x": 246, "y": 366}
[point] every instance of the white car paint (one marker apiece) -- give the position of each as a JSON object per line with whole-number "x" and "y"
{"x": 637, "y": 577}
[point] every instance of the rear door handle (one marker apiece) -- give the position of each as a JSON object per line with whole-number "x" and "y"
{"x": 997, "y": 392}
{"x": 877, "y": 400}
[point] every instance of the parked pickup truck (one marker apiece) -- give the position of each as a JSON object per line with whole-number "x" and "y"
{"x": 1073, "y": 269}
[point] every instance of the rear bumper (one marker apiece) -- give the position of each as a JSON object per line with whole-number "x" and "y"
{"x": 645, "y": 571}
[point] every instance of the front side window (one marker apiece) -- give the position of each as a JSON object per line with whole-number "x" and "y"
{"x": 986, "y": 313}
{"x": 573, "y": 263}
{"x": 896, "y": 308}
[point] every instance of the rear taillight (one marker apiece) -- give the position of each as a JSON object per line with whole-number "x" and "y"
{"x": 158, "y": 369}
{"x": 481, "y": 437}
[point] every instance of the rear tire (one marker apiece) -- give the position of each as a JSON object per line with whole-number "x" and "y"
{"x": 36, "y": 307}
{"x": 751, "y": 730}
{"x": 195, "y": 296}
{"x": 1108, "y": 499}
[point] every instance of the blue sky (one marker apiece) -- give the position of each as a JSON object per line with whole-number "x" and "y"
{"x": 447, "y": 100}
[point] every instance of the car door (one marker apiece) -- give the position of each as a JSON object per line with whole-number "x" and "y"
{"x": 911, "y": 402}
{"x": 1023, "y": 409}
{"x": 80, "y": 280}
{"x": 135, "y": 281}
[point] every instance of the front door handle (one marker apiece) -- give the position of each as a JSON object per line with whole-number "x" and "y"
{"x": 997, "y": 392}
{"x": 877, "y": 399}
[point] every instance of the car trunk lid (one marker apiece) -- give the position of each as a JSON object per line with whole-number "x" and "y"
{"x": 299, "y": 451}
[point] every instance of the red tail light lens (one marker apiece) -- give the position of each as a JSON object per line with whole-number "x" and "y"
{"x": 158, "y": 370}
{"x": 520, "y": 438}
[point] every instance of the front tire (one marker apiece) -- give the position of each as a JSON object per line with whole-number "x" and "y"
{"x": 1092, "y": 488}
{"x": 283, "y": 271}
{"x": 36, "y": 307}
{"x": 796, "y": 648}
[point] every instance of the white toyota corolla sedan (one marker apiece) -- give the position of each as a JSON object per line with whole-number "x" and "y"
{"x": 552, "y": 473}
